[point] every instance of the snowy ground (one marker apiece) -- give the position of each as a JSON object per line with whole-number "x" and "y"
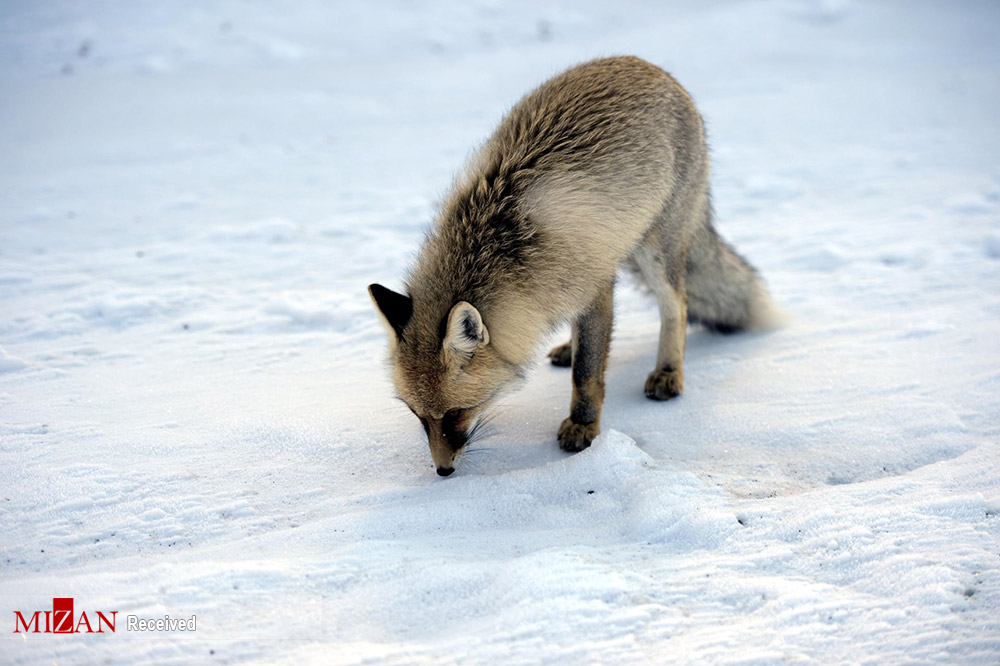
{"x": 195, "y": 417}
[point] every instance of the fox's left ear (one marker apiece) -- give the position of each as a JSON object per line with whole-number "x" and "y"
{"x": 396, "y": 309}
{"x": 466, "y": 332}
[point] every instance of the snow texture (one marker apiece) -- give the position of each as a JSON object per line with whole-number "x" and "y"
{"x": 195, "y": 417}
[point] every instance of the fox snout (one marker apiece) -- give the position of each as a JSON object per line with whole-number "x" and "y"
{"x": 446, "y": 440}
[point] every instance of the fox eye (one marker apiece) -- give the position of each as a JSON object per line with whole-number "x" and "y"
{"x": 454, "y": 415}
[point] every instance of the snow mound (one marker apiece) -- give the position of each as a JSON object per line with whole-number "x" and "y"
{"x": 992, "y": 246}
{"x": 612, "y": 486}
{"x": 970, "y": 203}
{"x": 10, "y": 363}
{"x": 827, "y": 258}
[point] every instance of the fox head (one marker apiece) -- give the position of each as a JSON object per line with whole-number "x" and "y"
{"x": 443, "y": 367}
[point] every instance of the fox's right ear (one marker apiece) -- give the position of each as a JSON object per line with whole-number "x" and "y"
{"x": 465, "y": 333}
{"x": 396, "y": 309}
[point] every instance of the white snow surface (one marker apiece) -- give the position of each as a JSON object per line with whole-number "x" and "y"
{"x": 195, "y": 415}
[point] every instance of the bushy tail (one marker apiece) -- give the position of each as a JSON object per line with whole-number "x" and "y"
{"x": 724, "y": 292}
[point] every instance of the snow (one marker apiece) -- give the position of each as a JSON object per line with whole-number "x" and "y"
{"x": 195, "y": 416}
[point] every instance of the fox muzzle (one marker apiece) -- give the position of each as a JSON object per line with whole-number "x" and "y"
{"x": 445, "y": 441}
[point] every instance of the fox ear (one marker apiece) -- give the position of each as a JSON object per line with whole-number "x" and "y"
{"x": 396, "y": 309}
{"x": 466, "y": 331}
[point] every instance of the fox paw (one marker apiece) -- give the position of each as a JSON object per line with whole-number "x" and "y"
{"x": 577, "y": 436}
{"x": 664, "y": 384}
{"x": 562, "y": 355}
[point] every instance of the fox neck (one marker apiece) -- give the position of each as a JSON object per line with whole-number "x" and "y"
{"x": 518, "y": 326}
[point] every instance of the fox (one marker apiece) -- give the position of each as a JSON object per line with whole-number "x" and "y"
{"x": 602, "y": 169}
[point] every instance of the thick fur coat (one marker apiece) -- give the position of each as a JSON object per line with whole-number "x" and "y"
{"x": 603, "y": 167}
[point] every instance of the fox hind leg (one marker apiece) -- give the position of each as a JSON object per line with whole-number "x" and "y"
{"x": 667, "y": 380}
{"x": 667, "y": 284}
{"x": 562, "y": 355}
{"x": 590, "y": 345}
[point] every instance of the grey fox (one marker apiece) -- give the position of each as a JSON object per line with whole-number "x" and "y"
{"x": 602, "y": 167}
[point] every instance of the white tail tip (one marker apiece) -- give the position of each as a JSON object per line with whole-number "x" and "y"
{"x": 766, "y": 315}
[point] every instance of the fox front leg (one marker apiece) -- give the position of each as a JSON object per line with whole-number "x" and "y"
{"x": 591, "y": 341}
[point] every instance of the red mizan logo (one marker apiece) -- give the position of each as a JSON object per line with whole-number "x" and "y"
{"x": 60, "y": 620}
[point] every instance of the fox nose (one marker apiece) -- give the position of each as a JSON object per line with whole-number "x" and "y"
{"x": 445, "y": 471}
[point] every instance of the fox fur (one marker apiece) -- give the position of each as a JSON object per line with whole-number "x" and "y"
{"x": 603, "y": 167}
